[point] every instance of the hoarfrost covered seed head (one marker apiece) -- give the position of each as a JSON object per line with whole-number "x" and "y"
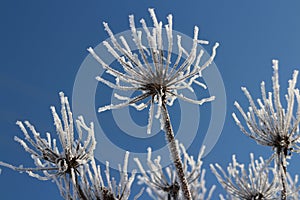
{"x": 58, "y": 162}
{"x": 159, "y": 78}
{"x": 163, "y": 183}
{"x": 92, "y": 182}
{"x": 270, "y": 124}
{"x": 259, "y": 182}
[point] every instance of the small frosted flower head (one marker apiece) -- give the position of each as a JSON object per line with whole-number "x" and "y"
{"x": 270, "y": 124}
{"x": 59, "y": 162}
{"x": 156, "y": 74}
{"x": 93, "y": 186}
{"x": 163, "y": 184}
{"x": 250, "y": 184}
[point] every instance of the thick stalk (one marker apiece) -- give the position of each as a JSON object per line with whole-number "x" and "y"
{"x": 282, "y": 173}
{"x": 175, "y": 154}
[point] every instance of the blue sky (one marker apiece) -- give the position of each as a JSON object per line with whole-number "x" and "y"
{"x": 43, "y": 44}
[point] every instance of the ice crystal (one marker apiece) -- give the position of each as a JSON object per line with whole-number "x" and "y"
{"x": 163, "y": 183}
{"x": 58, "y": 162}
{"x": 151, "y": 71}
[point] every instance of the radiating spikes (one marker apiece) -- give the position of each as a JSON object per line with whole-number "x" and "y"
{"x": 56, "y": 162}
{"x": 112, "y": 71}
{"x": 158, "y": 178}
{"x": 140, "y": 75}
{"x": 260, "y": 179}
{"x": 273, "y": 126}
{"x": 161, "y": 84}
{"x": 266, "y": 123}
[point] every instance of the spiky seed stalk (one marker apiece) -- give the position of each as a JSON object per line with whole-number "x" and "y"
{"x": 158, "y": 84}
{"x": 174, "y": 153}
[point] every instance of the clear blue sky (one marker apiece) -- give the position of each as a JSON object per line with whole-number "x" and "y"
{"x": 43, "y": 43}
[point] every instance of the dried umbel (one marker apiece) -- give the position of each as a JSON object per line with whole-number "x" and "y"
{"x": 258, "y": 182}
{"x": 156, "y": 77}
{"x": 151, "y": 71}
{"x": 94, "y": 186}
{"x": 162, "y": 183}
{"x": 59, "y": 162}
{"x": 271, "y": 124}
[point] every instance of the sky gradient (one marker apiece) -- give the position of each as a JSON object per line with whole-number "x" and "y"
{"x": 43, "y": 44}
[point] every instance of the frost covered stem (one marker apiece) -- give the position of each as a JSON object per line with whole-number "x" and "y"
{"x": 282, "y": 173}
{"x": 175, "y": 153}
{"x": 283, "y": 192}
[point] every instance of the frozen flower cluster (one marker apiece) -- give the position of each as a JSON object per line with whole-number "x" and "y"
{"x": 270, "y": 124}
{"x": 258, "y": 181}
{"x": 93, "y": 184}
{"x": 69, "y": 162}
{"x": 162, "y": 183}
{"x": 153, "y": 72}
{"x": 156, "y": 77}
{"x": 58, "y": 161}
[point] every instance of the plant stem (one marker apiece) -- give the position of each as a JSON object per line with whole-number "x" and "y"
{"x": 282, "y": 173}
{"x": 80, "y": 193}
{"x": 283, "y": 192}
{"x": 175, "y": 153}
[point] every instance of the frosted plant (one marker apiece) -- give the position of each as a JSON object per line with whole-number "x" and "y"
{"x": 163, "y": 183}
{"x": 272, "y": 125}
{"x": 252, "y": 184}
{"x": 93, "y": 186}
{"x": 293, "y": 188}
{"x": 159, "y": 84}
{"x": 59, "y": 162}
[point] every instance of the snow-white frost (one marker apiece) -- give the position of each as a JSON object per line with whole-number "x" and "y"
{"x": 259, "y": 181}
{"x": 271, "y": 124}
{"x": 151, "y": 71}
{"x": 58, "y": 161}
{"x": 162, "y": 183}
{"x": 94, "y": 186}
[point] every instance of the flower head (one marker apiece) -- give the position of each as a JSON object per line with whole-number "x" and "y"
{"x": 270, "y": 124}
{"x": 163, "y": 183}
{"x": 153, "y": 72}
{"x": 256, "y": 184}
{"x": 93, "y": 186}
{"x": 59, "y": 162}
